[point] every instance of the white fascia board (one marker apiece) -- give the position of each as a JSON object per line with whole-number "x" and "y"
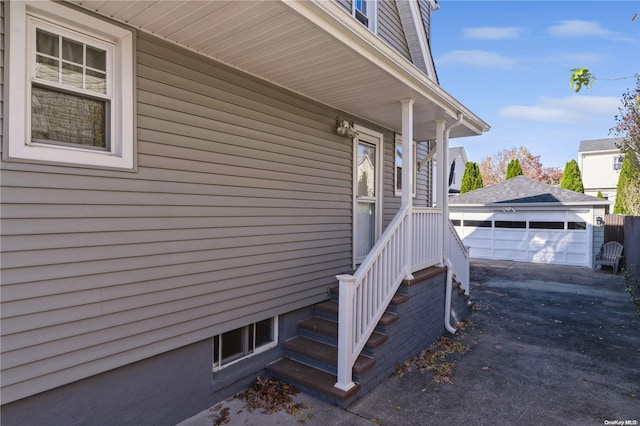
{"x": 422, "y": 39}
{"x": 334, "y": 20}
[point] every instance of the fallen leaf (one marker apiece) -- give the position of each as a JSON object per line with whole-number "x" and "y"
{"x": 485, "y": 368}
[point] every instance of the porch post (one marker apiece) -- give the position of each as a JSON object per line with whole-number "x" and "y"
{"x": 408, "y": 166}
{"x": 442, "y": 148}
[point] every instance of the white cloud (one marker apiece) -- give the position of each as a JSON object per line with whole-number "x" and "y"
{"x": 492, "y": 33}
{"x": 578, "y": 28}
{"x": 573, "y": 109}
{"x": 479, "y": 58}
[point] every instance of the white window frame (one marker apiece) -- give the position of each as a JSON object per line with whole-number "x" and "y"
{"x": 23, "y": 18}
{"x": 398, "y": 143}
{"x": 220, "y": 365}
{"x": 372, "y": 14}
{"x": 618, "y": 159}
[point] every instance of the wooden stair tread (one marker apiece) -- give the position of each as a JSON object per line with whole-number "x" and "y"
{"x": 311, "y": 378}
{"x": 327, "y": 306}
{"x": 330, "y": 328}
{"x": 325, "y": 353}
{"x": 399, "y": 299}
{"x": 388, "y": 318}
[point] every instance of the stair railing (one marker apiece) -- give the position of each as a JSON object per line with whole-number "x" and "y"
{"x": 427, "y": 241}
{"x": 365, "y": 295}
{"x": 459, "y": 256}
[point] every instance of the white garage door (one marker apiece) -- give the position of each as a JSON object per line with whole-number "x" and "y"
{"x": 561, "y": 237}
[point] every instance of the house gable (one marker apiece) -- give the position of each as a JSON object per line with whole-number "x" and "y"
{"x": 600, "y": 161}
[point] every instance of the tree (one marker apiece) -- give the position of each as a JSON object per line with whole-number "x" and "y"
{"x": 493, "y": 168}
{"x": 628, "y": 192}
{"x": 571, "y": 179}
{"x": 627, "y": 128}
{"x": 471, "y": 179}
{"x": 600, "y": 195}
{"x": 513, "y": 169}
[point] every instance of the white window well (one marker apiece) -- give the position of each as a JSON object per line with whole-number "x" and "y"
{"x": 244, "y": 342}
{"x": 70, "y": 88}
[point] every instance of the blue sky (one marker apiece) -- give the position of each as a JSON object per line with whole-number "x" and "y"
{"x": 509, "y": 62}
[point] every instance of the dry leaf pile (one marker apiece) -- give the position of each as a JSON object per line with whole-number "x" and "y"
{"x": 435, "y": 359}
{"x": 270, "y": 395}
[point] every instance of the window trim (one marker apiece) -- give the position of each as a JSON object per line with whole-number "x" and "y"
{"x": 398, "y": 192}
{"x": 23, "y": 17}
{"x": 372, "y": 14}
{"x": 220, "y": 366}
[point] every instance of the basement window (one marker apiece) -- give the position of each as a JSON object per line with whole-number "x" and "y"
{"x": 243, "y": 342}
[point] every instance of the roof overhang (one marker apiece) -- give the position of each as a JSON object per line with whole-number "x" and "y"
{"x": 314, "y": 48}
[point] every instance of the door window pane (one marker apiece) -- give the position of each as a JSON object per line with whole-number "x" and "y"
{"x": 366, "y": 170}
{"x": 366, "y": 228}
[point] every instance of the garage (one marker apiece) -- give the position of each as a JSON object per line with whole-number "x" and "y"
{"x": 529, "y": 221}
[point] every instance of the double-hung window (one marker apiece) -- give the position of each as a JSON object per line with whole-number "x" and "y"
{"x": 365, "y": 12}
{"x": 398, "y": 167}
{"x": 70, "y": 88}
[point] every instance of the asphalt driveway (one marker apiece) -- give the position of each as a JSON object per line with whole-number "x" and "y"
{"x": 549, "y": 345}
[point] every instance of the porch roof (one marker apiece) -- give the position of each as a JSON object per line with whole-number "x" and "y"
{"x": 314, "y": 48}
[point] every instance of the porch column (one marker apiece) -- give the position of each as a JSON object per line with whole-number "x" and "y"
{"x": 408, "y": 166}
{"x": 442, "y": 149}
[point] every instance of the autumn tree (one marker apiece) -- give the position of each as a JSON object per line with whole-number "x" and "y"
{"x": 628, "y": 191}
{"x": 627, "y": 128}
{"x": 513, "y": 169}
{"x": 493, "y": 168}
{"x": 471, "y": 179}
{"x": 571, "y": 179}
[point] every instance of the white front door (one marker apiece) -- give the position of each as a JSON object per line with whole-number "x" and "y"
{"x": 367, "y": 212}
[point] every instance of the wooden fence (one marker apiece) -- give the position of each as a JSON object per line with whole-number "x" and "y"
{"x": 626, "y": 231}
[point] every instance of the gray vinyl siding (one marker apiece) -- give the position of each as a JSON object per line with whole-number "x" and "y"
{"x": 391, "y": 203}
{"x": 390, "y": 28}
{"x": 425, "y": 14}
{"x": 389, "y": 25}
{"x": 424, "y": 189}
{"x": 346, "y": 4}
{"x": 240, "y": 210}
{"x": 1, "y": 74}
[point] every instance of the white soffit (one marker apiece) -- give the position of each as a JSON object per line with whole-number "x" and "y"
{"x": 314, "y": 48}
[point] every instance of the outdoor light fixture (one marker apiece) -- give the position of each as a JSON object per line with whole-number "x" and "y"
{"x": 346, "y": 129}
{"x": 599, "y": 221}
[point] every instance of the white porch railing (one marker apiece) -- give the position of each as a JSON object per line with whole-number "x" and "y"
{"x": 459, "y": 256}
{"x": 365, "y": 295}
{"x": 426, "y": 239}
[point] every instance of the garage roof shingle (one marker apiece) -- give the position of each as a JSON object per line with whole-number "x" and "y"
{"x": 523, "y": 190}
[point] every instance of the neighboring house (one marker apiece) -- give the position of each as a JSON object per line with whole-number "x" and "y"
{"x": 177, "y": 196}
{"x": 457, "y": 163}
{"x": 529, "y": 221}
{"x": 600, "y": 161}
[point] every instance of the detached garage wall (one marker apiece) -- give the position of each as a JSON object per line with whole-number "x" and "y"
{"x": 557, "y": 236}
